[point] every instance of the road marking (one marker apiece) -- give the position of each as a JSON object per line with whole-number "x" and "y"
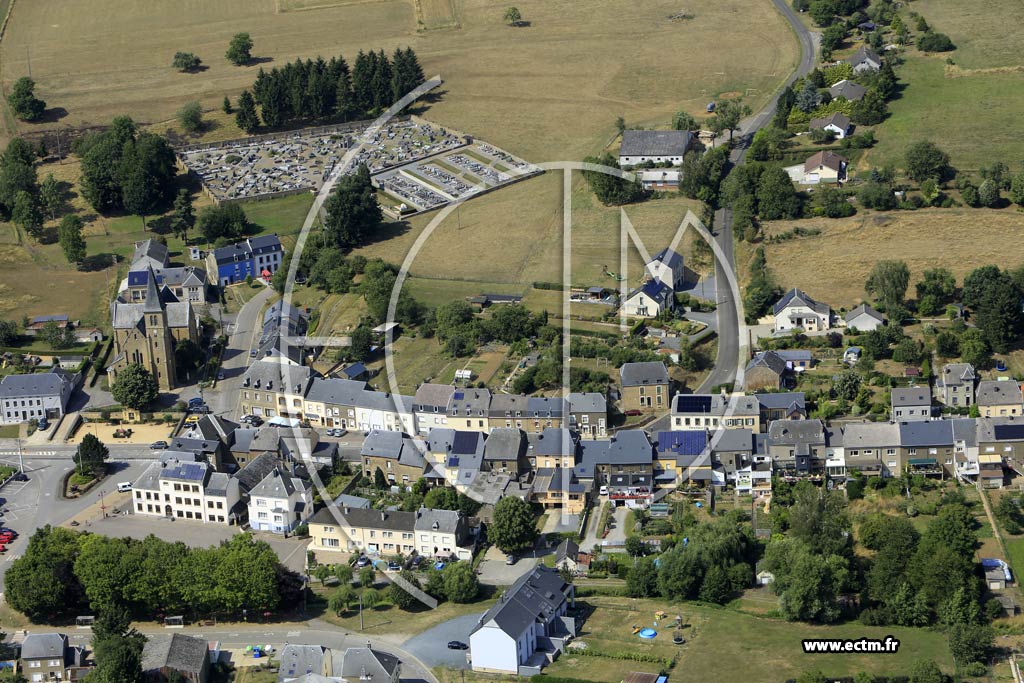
{"x": 293, "y": 634}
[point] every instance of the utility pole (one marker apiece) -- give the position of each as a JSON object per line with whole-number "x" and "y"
{"x": 21, "y": 459}
{"x": 360, "y": 612}
{"x": 28, "y": 60}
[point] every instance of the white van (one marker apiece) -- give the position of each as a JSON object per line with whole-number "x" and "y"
{"x": 124, "y": 487}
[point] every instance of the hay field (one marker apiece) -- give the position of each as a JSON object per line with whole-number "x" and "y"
{"x": 514, "y": 236}
{"x": 550, "y": 90}
{"x": 834, "y": 265}
{"x": 971, "y": 109}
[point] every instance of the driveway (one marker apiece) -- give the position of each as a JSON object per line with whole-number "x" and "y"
{"x": 431, "y": 646}
{"x": 494, "y": 571}
{"x": 616, "y": 534}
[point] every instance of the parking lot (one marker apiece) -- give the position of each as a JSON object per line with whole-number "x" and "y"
{"x": 431, "y": 646}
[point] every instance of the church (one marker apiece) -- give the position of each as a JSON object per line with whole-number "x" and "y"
{"x": 146, "y": 333}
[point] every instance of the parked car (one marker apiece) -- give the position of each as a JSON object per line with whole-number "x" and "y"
{"x": 20, "y": 476}
{"x": 202, "y": 409}
{"x": 363, "y": 561}
{"x": 195, "y": 401}
{"x": 158, "y": 445}
{"x": 340, "y": 432}
{"x": 252, "y": 354}
{"x": 457, "y": 645}
{"x": 220, "y": 375}
{"x": 416, "y": 561}
{"x": 633, "y": 413}
{"x": 44, "y": 424}
{"x": 394, "y": 566}
{"x": 192, "y": 419}
{"x": 510, "y": 559}
{"x": 604, "y": 490}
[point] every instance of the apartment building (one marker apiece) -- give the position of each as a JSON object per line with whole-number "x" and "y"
{"x": 186, "y": 490}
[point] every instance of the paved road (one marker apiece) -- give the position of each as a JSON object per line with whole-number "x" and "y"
{"x": 728, "y": 328}
{"x": 431, "y": 646}
{"x": 223, "y": 399}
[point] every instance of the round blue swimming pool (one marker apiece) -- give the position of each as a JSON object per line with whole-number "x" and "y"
{"x": 647, "y": 633}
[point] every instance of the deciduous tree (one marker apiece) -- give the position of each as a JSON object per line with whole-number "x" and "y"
{"x": 513, "y": 528}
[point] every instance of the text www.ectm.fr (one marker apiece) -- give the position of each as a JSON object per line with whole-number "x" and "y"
{"x": 884, "y": 646}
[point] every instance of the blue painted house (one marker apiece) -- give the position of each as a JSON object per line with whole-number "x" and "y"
{"x": 257, "y": 256}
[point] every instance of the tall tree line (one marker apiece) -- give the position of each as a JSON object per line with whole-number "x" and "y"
{"x": 320, "y": 89}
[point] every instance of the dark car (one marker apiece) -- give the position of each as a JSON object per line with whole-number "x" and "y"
{"x": 43, "y": 424}
{"x": 252, "y": 353}
{"x": 195, "y": 402}
{"x": 394, "y": 566}
{"x": 457, "y": 645}
{"x": 201, "y": 409}
{"x": 20, "y": 476}
{"x": 363, "y": 561}
{"x": 416, "y": 561}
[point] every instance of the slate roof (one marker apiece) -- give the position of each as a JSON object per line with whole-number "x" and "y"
{"x": 630, "y": 446}
{"x": 847, "y": 89}
{"x": 151, "y": 249}
{"x": 911, "y": 396}
{"x": 655, "y": 289}
{"x": 297, "y": 660}
{"x": 838, "y": 119}
{"x": 796, "y": 297}
{"x": 669, "y": 257}
{"x": 591, "y": 402}
{"x": 476, "y": 401}
{"x": 956, "y": 374}
{"x": 928, "y": 433}
{"x": 254, "y": 471}
{"x": 175, "y": 651}
{"x": 243, "y": 251}
{"x": 567, "y": 548}
{"x": 335, "y": 391}
{"x": 733, "y": 440}
{"x": 278, "y": 377}
{"x": 43, "y": 645}
{"x": 394, "y": 446}
{"x": 279, "y": 484}
{"x": 770, "y": 360}
{"x": 870, "y": 435}
{"x": 367, "y": 664}
{"x": 553, "y": 441}
{"x": 126, "y": 316}
{"x": 863, "y": 54}
{"x": 789, "y": 400}
{"x": 36, "y": 384}
{"x": 863, "y": 309}
{"x": 430, "y": 395}
{"x": 637, "y": 374}
{"x": 796, "y": 431}
{"x": 534, "y": 596}
{"x": 998, "y": 393}
{"x": 651, "y": 143}
{"x": 505, "y": 443}
{"x": 715, "y": 404}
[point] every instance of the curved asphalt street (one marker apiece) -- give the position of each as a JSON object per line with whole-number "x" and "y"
{"x": 728, "y": 329}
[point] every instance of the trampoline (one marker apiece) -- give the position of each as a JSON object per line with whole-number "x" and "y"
{"x": 647, "y": 633}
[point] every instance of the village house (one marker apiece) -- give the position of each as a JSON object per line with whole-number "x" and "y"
{"x": 568, "y": 557}
{"x": 35, "y": 396}
{"x": 50, "y": 657}
{"x": 999, "y": 398}
{"x": 910, "y": 404}
{"x": 458, "y": 456}
{"x": 280, "y": 503}
{"x": 430, "y": 406}
{"x": 645, "y": 386}
{"x": 186, "y": 490}
{"x": 530, "y": 413}
{"x": 527, "y": 627}
{"x": 296, "y": 661}
{"x": 427, "y": 532}
{"x": 654, "y": 146}
{"x": 926, "y": 447}
{"x": 822, "y": 167}
{"x": 469, "y": 409}
{"x": 797, "y": 447}
{"x": 150, "y": 254}
{"x": 766, "y": 370}
{"x": 182, "y": 284}
{"x": 660, "y": 179}
{"x": 270, "y": 389}
{"x": 163, "y": 654}
{"x": 560, "y": 488}
{"x": 691, "y": 411}
{"x": 955, "y": 384}
{"x": 667, "y": 268}
{"x": 836, "y": 123}
{"x": 872, "y": 448}
{"x": 682, "y": 456}
{"x": 364, "y": 664}
{"x": 588, "y": 414}
{"x": 394, "y": 454}
{"x": 864, "y": 60}
{"x": 848, "y": 90}
{"x": 864, "y": 318}
{"x": 505, "y": 451}
{"x": 255, "y": 257}
{"x": 789, "y": 405}
{"x": 797, "y": 311}
{"x": 649, "y": 300}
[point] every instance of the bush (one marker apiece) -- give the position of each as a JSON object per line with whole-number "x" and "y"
{"x": 932, "y": 41}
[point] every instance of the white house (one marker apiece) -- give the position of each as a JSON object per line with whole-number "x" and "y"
{"x": 863, "y": 60}
{"x": 655, "y": 146}
{"x": 837, "y": 123}
{"x": 667, "y": 267}
{"x": 27, "y": 397}
{"x": 796, "y": 310}
{"x": 186, "y": 490}
{"x": 649, "y": 300}
{"x": 527, "y": 627}
{"x": 660, "y": 179}
{"x": 280, "y": 502}
{"x": 864, "y": 318}
{"x": 822, "y": 167}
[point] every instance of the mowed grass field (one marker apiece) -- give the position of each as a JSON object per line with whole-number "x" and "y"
{"x": 970, "y": 109}
{"x": 549, "y": 90}
{"x": 834, "y": 265}
{"x": 771, "y": 648}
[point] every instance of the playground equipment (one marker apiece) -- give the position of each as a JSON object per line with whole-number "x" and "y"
{"x": 647, "y": 633}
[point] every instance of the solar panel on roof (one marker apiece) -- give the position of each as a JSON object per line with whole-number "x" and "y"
{"x": 464, "y": 442}
{"x": 1009, "y": 431}
{"x": 689, "y": 403}
{"x": 453, "y": 461}
{"x": 458, "y": 395}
